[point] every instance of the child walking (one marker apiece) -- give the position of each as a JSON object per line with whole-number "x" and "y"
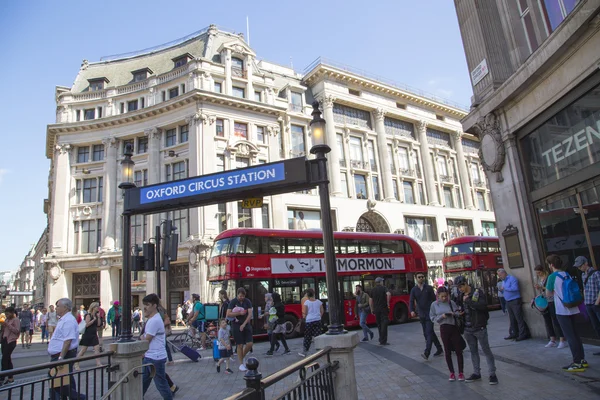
{"x": 224, "y": 347}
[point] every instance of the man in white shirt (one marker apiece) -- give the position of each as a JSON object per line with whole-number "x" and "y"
{"x": 154, "y": 333}
{"x": 63, "y": 344}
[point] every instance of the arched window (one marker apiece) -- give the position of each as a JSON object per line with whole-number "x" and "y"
{"x": 363, "y": 225}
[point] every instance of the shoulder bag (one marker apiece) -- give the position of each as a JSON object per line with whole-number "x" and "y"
{"x": 458, "y": 320}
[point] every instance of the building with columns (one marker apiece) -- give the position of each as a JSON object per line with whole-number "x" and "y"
{"x": 400, "y": 160}
{"x": 536, "y": 109}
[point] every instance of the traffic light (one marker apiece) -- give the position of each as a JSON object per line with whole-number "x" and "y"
{"x": 171, "y": 242}
{"x": 137, "y": 261}
{"x": 148, "y": 258}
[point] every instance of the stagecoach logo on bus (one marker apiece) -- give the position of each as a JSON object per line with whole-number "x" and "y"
{"x": 304, "y": 265}
{"x": 215, "y": 183}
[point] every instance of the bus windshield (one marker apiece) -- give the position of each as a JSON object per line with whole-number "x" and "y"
{"x": 458, "y": 249}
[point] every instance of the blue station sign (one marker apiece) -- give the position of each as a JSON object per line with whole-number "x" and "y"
{"x": 256, "y": 181}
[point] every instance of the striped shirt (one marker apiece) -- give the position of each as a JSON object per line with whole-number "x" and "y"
{"x": 591, "y": 286}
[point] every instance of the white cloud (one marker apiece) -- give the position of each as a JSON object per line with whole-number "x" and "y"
{"x": 2, "y": 173}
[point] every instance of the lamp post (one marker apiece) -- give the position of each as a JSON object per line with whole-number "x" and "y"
{"x": 319, "y": 149}
{"x": 127, "y": 165}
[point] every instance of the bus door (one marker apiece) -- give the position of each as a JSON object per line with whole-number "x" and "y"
{"x": 349, "y": 298}
{"x": 255, "y": 292}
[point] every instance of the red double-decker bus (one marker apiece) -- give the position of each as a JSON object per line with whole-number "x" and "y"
{"x": 290, "y": 261}
{"x": 477, "y": 258}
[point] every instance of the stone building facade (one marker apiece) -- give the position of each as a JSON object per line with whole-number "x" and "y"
{"x": 536, "y": 109}
{"x": 400, "y": 161}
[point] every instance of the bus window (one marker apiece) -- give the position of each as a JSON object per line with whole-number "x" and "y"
{"x": 369, "y": 283}
{"x": 221, "y": 247}
{"x": 394, "y": 246}
{"x": 481, "y": 247}
{"x": 351, "y": 246}
{"x": 252, "y": 245}
{"x": 318, "y": 246}
{"x": 307, "y": 283}
{"x": 397, "y": 284}
{"x": 299, "y": 246}
{"x": 322, "y": 289}
{"x": 273, "y": 245}
{"x": 370, "y": 247}
{"x": 493, "y": 247}
{"x": 237, "y": 245}
{"x": 349, "y": 283}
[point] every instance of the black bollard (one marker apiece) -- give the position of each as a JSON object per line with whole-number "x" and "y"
{"x": 253, "y": 377}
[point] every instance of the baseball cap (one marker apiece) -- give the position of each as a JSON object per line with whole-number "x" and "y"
{"x": 379, "y": 279}
{"x": 196, "y": 296}
{"x": 579, "y": 261}
{"x": 460, "y": 280}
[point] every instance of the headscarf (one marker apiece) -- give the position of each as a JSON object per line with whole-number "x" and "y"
{"x": 269, "y": 303}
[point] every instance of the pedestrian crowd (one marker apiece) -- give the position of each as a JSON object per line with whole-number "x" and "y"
{"x": 458, "y": 307}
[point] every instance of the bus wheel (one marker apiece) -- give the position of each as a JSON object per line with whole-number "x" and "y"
{"x": 400, "y": 313}
{"x": 290, "y": 326}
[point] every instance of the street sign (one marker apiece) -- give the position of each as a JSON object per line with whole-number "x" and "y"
{"x": 260, "y": 180}
{"x": 256, "y": 202}
{"x": 15, "y": 293}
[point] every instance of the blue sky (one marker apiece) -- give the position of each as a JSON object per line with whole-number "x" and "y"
{"x": 42, "y": 43}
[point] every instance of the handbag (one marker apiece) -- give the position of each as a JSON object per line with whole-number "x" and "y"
{"x": 540, "y": 303}
{"x": 60, "y": 376}
{"x": 82, "y": 327}
{"x": 459, "y": 321}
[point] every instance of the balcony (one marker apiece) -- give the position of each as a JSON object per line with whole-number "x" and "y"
{"x": 480, "y": 184}
{"x": 239, "y": 73}
{"x": 408, "y": 172}
{"x": 358, "y": 164}
{"x": 447, "y": 178}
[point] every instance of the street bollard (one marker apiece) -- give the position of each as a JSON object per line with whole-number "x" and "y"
{"x": 253, "y": 377}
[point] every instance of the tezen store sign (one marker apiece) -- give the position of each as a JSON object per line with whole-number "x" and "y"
{"x": 565, "y": 143}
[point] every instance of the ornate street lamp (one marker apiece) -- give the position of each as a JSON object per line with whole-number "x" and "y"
{"x": 319, "y": 149}
{"x": 127, "y": 165}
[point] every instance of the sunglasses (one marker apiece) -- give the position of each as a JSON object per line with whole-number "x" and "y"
{"x": 420, "y": 277}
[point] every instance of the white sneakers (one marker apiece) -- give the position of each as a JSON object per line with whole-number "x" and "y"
{"x": 551, "y": 343}
{"x": 562, "y": 345}
{"x": 242, "y": 367}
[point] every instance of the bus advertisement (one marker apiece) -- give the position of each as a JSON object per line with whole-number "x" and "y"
{"x": 290, "y": 261}
{"x": 477, "y": 258}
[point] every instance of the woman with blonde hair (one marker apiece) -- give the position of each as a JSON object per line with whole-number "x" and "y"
{"x": 90, "y": 335}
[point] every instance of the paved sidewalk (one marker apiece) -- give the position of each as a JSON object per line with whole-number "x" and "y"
{"x": 525, "y": 370}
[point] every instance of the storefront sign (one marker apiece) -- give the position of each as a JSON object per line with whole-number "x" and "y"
{"x": 566, "y": 143}
{"x": 578, "y": 141}
{"x": 308, "y": 265}
{"x": 513, "y": 247}
{"x": 479, "y": 72}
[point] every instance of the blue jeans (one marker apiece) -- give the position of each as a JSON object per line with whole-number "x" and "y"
{"x": 160, "y": 379}
{"x": 594, "y": 315}
{"x": 567, "y": 324}
{"x": 430, "y": 336}
{"x": 502, "y": 304}
{"x": 44, "y": 332}
{"x": 473, "y": 338}
{"x": 363, "y": 323}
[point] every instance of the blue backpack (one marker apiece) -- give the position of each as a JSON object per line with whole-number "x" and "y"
{"x": 571, "y": 294}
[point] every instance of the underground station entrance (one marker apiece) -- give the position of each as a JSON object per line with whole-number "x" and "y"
{"x": 252, "y": 182}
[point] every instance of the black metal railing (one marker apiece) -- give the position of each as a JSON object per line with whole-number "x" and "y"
{"x": 316, "y": 379}
{"x": 43, "y": 381}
